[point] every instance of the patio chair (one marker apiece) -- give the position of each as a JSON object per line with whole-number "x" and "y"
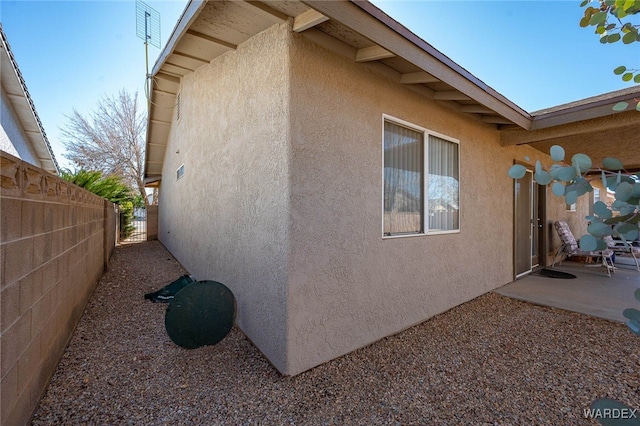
{"x": 570, "y": 247}
{"x": 621, "y": 247}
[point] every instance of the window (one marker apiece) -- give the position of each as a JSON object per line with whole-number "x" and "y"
{"x": 421, "y": 174}
{"x": 180, "y": 172}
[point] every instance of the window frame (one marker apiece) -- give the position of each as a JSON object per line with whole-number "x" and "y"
{"x": 180, "y": 172}
{"x": 425, "y": 178}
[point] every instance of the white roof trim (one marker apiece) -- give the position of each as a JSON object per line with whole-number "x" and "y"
{"x": 42, "y": 148}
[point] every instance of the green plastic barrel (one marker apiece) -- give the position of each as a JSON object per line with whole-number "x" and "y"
{"x": 200, "y": 314}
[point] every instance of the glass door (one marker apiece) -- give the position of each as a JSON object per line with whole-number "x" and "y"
{"x": 525, "y": 224}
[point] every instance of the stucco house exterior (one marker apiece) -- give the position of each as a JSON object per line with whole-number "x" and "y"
{"x": 345, "y": 179}
{"x": 21, "y": 132}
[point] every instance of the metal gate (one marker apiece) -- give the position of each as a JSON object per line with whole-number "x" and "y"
{"x": 136, "y": 230}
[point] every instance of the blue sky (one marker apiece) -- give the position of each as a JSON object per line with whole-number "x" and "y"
{"x": 533, "y": 52}
{"x": 73, "y": 53}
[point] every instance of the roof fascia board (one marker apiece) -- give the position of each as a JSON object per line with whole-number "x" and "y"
{"x": 570, "y": 128}
{"x": 189, "y": 15}
{"x": 366, "y": 19}
{"x": 586, "y": 111}
{"x": 41, "y": 138}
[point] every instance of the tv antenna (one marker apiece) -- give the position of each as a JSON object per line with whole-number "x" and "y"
{"x": 148, "y": 29}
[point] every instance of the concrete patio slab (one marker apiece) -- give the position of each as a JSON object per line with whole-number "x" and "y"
{"x": 591, "y": 293}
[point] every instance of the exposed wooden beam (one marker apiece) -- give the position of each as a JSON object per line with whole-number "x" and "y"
{"x": 186, "y": 55}
{"x": 188, "y": 17}
{"x": 179, "y": 66}
{"x": 265, "y": 10}
{"x": 170, "y": 73}
{"x": 163, "y": 93}
{"x": 450, "y": 95}
{"x": 476, "y": 109}
{"x": 213, "y": 40}
{"x": 308, "y": 19}
{"x": 333, "y": 44}
{"x": 161, "y": 122}
{"x": 495, "y": 119}
{"x": 418, "y": 78}
{"x": 372, "y": 53}
{"x": 164, "y": 76}
{"x": 367, "y": 20}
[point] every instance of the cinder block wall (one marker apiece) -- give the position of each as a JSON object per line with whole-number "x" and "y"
{"x": 55, "y": 241}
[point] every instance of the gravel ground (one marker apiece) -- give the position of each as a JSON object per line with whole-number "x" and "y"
{"x": 490, "y": 361}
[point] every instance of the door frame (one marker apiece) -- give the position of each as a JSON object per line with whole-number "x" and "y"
{"x": 537, "y": 219}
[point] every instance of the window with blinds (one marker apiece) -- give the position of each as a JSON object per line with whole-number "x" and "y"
{"x": 420, "y": 180}
{"x": 403, "y": 180}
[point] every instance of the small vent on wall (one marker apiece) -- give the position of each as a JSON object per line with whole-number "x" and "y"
{"x": 180, "y": 172}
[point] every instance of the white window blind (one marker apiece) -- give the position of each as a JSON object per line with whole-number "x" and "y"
{"x": 444, "y": 188}
{"x": 403, "y": 188}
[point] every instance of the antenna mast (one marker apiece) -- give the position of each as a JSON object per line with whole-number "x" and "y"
{"x": 148, "y": 29}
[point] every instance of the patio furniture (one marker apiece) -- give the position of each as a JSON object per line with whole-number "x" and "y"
{"x": 570, "y": 247}
{"x": 625, "y": 248}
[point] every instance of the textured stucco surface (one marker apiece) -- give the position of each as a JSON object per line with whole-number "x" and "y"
{"x": 13, "y": 140}
{"x": 226, "y": 218}
{"x": 348, "y": 286}
{"x": 282, "y": 195}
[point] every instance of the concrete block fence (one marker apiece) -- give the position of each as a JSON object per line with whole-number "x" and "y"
{"x": 55, "y": 242}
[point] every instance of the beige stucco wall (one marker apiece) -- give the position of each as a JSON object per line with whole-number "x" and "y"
{"x": 55, "y": 241}
{"x": 282, "y": 195}
{"x": 348, "y": 286}
{"x": 226, "y": 219}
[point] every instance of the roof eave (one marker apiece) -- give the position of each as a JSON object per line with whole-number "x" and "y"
{"x": 188, "y": 16}
{"x": 584, "y": 109}
{"x": 42, "y": 147}
{"x": 370, "y": 21}
{"x": 190, "y": 13}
